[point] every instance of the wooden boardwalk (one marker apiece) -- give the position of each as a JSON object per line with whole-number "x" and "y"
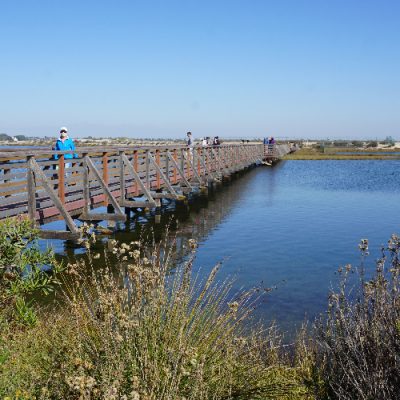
{"x": 34, "y": 183}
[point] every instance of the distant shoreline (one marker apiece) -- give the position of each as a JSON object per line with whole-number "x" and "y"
{"x": 311, "y": 153}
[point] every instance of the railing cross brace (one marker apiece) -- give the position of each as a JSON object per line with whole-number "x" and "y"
{"x": 150, "y": 200}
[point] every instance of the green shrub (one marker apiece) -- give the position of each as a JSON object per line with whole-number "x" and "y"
{"x": 24, "y": 269}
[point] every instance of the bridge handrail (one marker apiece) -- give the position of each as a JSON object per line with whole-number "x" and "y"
{"x": 34, "y": 181}
{"x": 100, "y": 149}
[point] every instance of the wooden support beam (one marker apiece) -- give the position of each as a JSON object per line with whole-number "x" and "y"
{"x": 136, "y": 167}
{"x": 62, "y": 235}
{"x": 175, "y": 176}
{"x": 105, "y": 173}
{"x": 138, "y": 204}
{"x": 184, "y": 189}
{"x": 102, "y": 217}
{"x": 182, "y": 164}
{"x": 86, "y": 187}
{"x": 221, "y": 171}
{"x": 148, "y": 184}
{"x": 135, "y": 175}
{"x": 61, "y": 178}
{"x": 198, "y": 156}
{"x": 122, "y": 180}
{"x": 157, "y": 165}
{"x": 167, "y": 195}
{"x": 181, "y": 172}
{"x": 167, "y": 168}
{"x": 189, "y": 160}
{"x": 161, "y": 173}
{"x": 39, "y": 174}
{"x": 206, "y": 169}
{"x": 103, "y": 185}
{"x": 31, "y": 190}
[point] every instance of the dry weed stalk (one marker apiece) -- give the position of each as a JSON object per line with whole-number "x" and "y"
{"x": 142, "y": 328}
{"x": 359, "y": 352}
{"x": 153, "y": 332}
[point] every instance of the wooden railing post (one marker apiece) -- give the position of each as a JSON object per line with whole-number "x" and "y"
{"x": 105, "y": 174}
{"x": 175, "y": 176}
{"x": 122, "y": 178}
{"x": 61, "y": 178}
{"x": 198, "y": 161}
{"x": 189, "y": 155}
{"x": 86, "y": 189}
{"x": 6, "y": 172}
{"x": 136, "y": 168}
{"x": 167, "y": 165}
{"x": 148, "y": 185}
{"x": 158, "y": 180}
{"x": 31, "y": 191}
{"x": 183, "y": 163}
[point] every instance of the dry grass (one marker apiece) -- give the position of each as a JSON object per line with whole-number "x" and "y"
{"x": 145, "y": 332}
{"x": 312, "y": 153}
{"x": 359, "y": 342}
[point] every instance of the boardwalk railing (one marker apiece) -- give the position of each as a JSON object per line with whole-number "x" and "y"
{"x": 49, "y": 185}
{"x": 274, "y": 152}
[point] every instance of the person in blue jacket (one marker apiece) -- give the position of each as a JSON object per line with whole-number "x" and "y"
{"x": 64, "y": 142}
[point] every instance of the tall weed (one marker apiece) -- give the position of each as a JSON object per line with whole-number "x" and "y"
{"x": 139, "y": 329}
{"x": 359, "y": 342}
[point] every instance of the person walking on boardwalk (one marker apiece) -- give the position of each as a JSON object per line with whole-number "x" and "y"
{"x": 65, "y": 143}
{"x": 189, "y": 139}
{"x": 190, "y": 143}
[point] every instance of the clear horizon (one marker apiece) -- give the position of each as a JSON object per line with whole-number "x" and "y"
{"x": 294, "y": 69}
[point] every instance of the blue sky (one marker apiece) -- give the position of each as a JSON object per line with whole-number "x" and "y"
{"x": 311, "y": 69}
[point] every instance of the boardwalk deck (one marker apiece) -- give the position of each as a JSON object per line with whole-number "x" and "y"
{"x": 32, "y": 182}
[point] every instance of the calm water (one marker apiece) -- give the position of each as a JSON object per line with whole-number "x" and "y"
{"x": 290, "y": 226}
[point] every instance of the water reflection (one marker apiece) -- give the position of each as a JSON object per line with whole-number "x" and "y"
{"x": 195, "y": 219}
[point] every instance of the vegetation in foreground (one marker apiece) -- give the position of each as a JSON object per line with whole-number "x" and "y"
{"x": 23, "y": 270}
{"x": 145, "y": 333}
{"x": 358, "y": 353}
{"x": 139, "y": 331}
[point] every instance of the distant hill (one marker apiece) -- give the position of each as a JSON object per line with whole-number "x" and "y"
{"x": 4, "y": 137}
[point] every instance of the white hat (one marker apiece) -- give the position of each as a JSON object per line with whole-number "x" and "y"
{"x": 63, "y": 128}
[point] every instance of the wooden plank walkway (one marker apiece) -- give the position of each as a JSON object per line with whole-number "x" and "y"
{"x": 34, "y": 183}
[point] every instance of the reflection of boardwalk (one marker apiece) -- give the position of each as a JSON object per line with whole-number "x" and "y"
{"x": 202, "y": 222}
{"x": 120, "y": 178}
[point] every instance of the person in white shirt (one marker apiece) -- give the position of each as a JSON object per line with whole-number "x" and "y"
{"x": 190, "y": 143}
{"x": 189, "y": 139}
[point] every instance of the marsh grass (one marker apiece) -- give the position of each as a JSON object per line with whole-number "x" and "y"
{"x": 318, "y": 153}
{"x": 359, "y": 342}
{"x": 140, "y": 329}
